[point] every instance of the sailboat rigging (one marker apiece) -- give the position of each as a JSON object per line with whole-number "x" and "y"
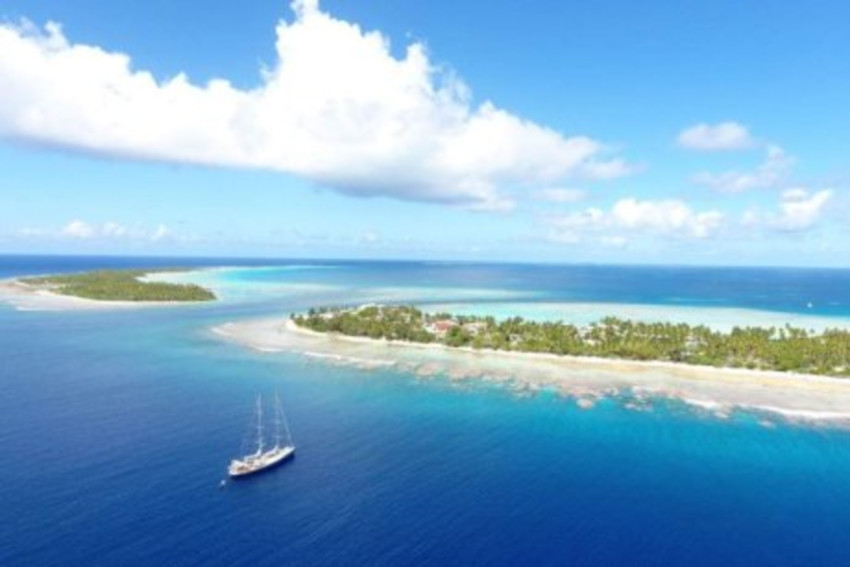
{"x": 261, "y": 459}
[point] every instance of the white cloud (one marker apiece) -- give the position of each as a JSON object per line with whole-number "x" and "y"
{"x": 160, "y": 233}
{"x": 716, "y": 137}
{"x": 113, "y": 229}
{"x": 560, "y": 195}
{"x": 78, "y": 229}
{"x": 666, "y": 218}
{"x": 369, "y": 237}
{"x": 608, "y": 169}
{"x": 799, "y": 209}
{"x": 571, "y": 227}
{"x": 337, "y": 108}
{"x": 31, "y": 232}
{"x": 774, "y": 169}
{"x": 82, "y": 230}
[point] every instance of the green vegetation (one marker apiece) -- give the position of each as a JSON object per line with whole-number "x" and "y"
{"x": 120, "y": 285}
{"x": 784, "y": 349}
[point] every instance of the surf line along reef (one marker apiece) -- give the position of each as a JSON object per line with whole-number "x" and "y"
{"x": 783, "y": 349}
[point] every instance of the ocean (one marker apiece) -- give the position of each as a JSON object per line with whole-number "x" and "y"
{"x": 116, "y": 428}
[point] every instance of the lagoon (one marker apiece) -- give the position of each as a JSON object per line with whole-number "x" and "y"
{"x": 117, "y": 427}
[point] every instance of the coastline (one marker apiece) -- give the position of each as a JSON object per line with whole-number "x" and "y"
{"x": 25, "y": 297}
{"x": 718, "y": 391}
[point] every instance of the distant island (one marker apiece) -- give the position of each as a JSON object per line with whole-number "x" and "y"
{"x": 784, "y": 349}
{"x": 118, "y": 285}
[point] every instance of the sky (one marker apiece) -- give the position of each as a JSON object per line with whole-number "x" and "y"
{"x": 704, "y": 133}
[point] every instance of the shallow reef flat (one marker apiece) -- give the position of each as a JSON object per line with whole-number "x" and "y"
{"x": 717, "y": 390}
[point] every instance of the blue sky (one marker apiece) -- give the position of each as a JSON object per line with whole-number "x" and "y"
{"x": 611, "y": 131}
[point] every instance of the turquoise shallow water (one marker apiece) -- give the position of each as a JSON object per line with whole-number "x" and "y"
{"x": 116, "y": 429}
{"x": 582, "y": 314}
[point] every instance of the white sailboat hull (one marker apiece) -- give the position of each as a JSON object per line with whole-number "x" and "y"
{"x": 255, "y": 463}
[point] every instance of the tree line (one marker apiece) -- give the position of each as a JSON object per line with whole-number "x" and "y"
{"x": 120, "y": 285}
{"x": 786, "y": 349}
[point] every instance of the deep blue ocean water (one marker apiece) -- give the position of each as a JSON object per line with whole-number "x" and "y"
{"x": 116, "y": 428}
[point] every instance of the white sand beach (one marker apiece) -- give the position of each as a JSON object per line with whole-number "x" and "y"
{"x": 714, "y": 390}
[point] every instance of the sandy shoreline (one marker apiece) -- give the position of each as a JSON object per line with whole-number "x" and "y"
{"x": 26, "y": 297}
{"x": 714, "y": 390}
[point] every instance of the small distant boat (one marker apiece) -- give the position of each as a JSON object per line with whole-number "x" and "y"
{"x": 262, "y": 459}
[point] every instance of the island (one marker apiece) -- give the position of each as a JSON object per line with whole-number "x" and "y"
{"x": 785, "y": 349}
{"x": 99, "y": 289}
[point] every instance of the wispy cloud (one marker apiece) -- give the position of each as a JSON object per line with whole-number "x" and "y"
{"x": 560, "y": 195}
{"x": 336, "y": 108}
{"x": 369, "y": 237}
{"x": 716, "y": 137}
{"x": 773, "y": 170}
{"x": 85, "y": 231}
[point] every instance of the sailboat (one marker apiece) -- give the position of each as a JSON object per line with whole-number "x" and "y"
{"x": 263, "y": 459}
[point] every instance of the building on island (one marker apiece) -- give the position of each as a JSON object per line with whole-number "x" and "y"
{"x": 440, "y": 327}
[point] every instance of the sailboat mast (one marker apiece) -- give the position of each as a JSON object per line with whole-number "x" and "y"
{"x": 282, "y": 416}
{"x": 277, "y": 414}
{"x": 259, "y": 425}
